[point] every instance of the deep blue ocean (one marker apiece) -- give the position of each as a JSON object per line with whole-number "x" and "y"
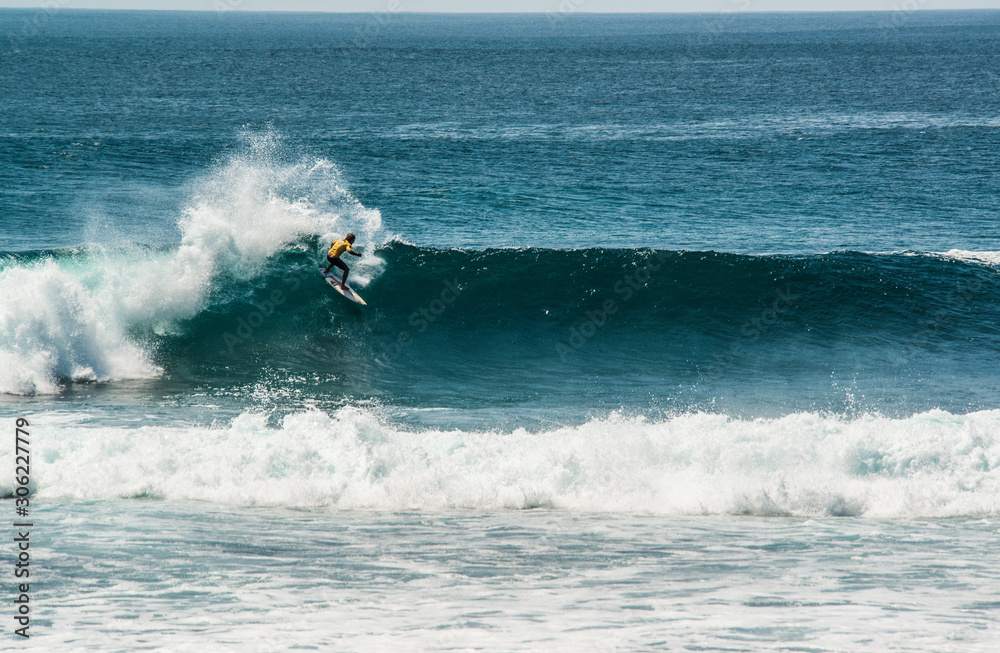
{"x": 653, "y": 301}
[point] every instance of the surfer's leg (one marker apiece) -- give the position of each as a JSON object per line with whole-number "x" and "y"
{"x": 336, "y": 260}
{"x": 343, "y": 266}
{"x": 331, "y": 260}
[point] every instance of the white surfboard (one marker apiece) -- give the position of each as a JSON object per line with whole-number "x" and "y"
{"x": 346, "y": 291}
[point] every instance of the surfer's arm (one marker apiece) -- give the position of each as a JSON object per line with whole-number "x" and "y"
{"x": 351, "y": 251}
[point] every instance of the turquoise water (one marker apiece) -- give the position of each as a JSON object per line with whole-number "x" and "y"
{"x": 681, "y": 330}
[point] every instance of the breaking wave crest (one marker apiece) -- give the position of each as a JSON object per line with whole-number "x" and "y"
{"x": 90, "y": 313}
{"x": 933, "y": 464}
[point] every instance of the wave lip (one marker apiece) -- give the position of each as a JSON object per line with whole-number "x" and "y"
{"x": 989, "y": 258}
{"x": 89, "y": 316}
{"x": 933, "y": 464}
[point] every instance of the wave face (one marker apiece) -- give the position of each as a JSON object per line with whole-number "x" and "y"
{"x": 477, "y": 327}
{"x": 237, "y": 304}
{"x": 605, "y": 329}
{"x": 933, "y": 464}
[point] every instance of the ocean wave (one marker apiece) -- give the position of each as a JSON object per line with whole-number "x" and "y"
{"x": 92, "y": 313}
{"x": 933, "y": 464}
{"x": 232, "y": 305}
{"x": 51, "y": 329}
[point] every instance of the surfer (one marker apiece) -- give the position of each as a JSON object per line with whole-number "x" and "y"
{"x": 337, "y": 248}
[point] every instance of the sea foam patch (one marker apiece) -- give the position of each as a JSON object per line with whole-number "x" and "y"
{"x": 51, "y": 328}
{"x": 932, "y": 464}
{"x": 989, "y": 258}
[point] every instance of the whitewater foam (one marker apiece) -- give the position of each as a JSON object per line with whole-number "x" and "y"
{"x": 933, "y": 464}
{"x": 989, "y": 258}
{"x": 51, "y": 329}
{"x": 84, "y": 318}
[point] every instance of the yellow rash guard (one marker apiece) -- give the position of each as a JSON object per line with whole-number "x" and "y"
{"x": 339, "y": 248}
